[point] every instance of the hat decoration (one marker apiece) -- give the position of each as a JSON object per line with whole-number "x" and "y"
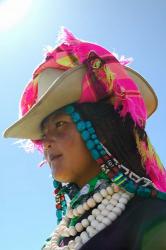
{"x": 105, "y": 76}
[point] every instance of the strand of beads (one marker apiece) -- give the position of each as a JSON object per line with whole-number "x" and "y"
{"x": 110, "y": 204}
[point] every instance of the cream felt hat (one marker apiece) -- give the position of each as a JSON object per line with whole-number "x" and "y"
{"x": 57, "y": 88}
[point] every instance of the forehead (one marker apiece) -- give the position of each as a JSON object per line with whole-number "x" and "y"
{"x": 54, "y": 116}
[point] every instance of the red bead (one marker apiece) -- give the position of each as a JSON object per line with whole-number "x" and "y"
{"x": 111, "y": 174}
{"x": 100, "y": 161}
{"x": 58, "y": 206}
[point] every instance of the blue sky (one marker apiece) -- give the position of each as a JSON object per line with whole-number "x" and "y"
{"x": 130, "y": 28}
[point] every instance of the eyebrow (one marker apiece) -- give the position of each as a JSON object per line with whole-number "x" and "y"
{"x": 55, "y": 113}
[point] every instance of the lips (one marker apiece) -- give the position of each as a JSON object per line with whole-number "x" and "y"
{"x": 53, "y": 157}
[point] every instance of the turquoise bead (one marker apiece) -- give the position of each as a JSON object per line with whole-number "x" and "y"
{"x": 69, "y": 109}
{"x": 99, "y": 147}
{"x": 90, "y": 144}
{"x": 144, "y": 192}
{"x": 161, "y": 195}
{"x": 103, "y": 152}
{"x": 88, "y": 124}
{"x": 130, "y": 187}
{"x": 75, "y": 117}
{"x": 56, "y": 184}
{"x": 85, "y": 135}
{"x": 93, "y": 136}
{"x": 95, "y": 154}
{"x": 91, "y": 130}
{"x": 81, "y": 126}
{"x": 96, "y": 141}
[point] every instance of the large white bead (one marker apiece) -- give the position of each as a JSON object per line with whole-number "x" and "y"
{"x": 85, "y": 223}
{"x": 97, "y": 197}
{"x": 104, "y": 212}
{"x": 72, "y": 231}
{"x": 80, "y": 209}
{"x": 90, "y": 229}
{"x": 106, "y": 221}
{"x": 117, "y": 210}
{"x": 84, "y": 236}
{"x": 101, "y": 207}
{"x": 77, "y": 239}
{"x": 91, "y": 218}
{"x": 79, "y": 227}
{"x": 78, "y": 245}
{"x": 65, "y": 248}
{"x": 95, "y": 212}
{"x": 121, "y": 205}
{"x": 71, "y": 244}
{"x": 103, "y": 192}
{"x": 100, "y": 227}
{"x": 127, "y": 196}
{"x": 99, "y": 217}
{"x": 105, "y": 201}
{"x": 91, "y": 202}
{"x": 108, "y": 197}
{"x": 123, "y": 200}
{"x": 109, "y": 207}
{"x": 94, "y": 224}
{"x": 110, "y": 190}
{"x": 113, "y": 202}
{"x": 116, "y": 196}
{"x": 112, "y": 216}
{"x": 85, "y": 206}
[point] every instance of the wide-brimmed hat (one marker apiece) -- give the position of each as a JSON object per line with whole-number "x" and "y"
{"x": 80, "y": 72}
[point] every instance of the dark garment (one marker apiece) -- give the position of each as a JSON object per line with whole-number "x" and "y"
{"x": 142, "y": 226}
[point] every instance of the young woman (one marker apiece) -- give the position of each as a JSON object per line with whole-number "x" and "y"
{"x": 87, "y": 111}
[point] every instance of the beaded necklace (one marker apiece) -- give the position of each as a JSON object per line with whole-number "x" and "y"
{"x": 101, "y": 200}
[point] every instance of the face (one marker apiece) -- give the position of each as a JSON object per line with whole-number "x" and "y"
{"x": 66, "y": 152}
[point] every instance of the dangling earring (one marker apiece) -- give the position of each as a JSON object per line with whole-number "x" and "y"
{"x": 60, "y": 200}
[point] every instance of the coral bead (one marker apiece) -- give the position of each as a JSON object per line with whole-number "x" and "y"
{"x": 79, "y": 227}
{"x": 80, "y": 209}
{"x": 91, "y": 203}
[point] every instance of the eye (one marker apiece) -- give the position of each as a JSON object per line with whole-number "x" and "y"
{"x": 60, "y": 124}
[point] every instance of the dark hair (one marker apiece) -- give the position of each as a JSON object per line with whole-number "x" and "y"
{"x": 116, "y": 133}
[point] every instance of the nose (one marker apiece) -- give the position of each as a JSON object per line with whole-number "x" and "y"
{"x": 48, "y": 142}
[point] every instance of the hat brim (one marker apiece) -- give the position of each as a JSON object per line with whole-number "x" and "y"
{"x": 65, "y": 90}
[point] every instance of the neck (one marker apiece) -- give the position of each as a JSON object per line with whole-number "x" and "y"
{"x": 87, "y": 176}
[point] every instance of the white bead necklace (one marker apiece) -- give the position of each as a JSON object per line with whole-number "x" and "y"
{"x": 109, "y": 203}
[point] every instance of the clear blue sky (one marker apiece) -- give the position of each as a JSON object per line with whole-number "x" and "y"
{"x": 133, "y": 28}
